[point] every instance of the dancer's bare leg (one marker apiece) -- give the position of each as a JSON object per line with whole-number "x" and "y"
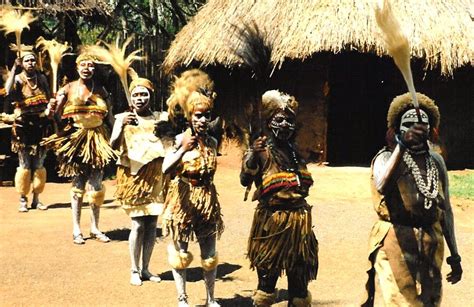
{"x": 23, "y": 179}
{"x": 179, "y": 274}
{"x": 209, "y": 264}
{"x": 39, "y": 179}
{"x": 148, "y": 245}
{"x": 135, "y": 241}
{"x": 77, "y": 196}
{"x": 76, "y": 208}
{"x": 96, "y": 199}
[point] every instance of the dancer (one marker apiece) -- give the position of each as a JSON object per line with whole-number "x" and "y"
{"x": 82, "y": 147}
{"x": 281, "y": 237}
{"x": 141, "y": 186}
{"x": 30, "y": 92}
{"x": 191, "y": 206}
{"x": 411, "y": 197}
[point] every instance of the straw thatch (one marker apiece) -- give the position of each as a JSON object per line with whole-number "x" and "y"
{"x": 440, "y": 31}
{"x": 84, "y": 7}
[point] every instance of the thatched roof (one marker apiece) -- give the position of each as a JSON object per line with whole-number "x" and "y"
{"x": 84, "y": 7}
{"x": 440, "y": 31}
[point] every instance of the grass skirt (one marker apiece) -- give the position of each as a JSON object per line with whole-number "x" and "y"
{"x": 191, "y": 209}
{"x": 77, "y": 146}
{"x": 141, "y": 194}
{"x": 283, "y": 240}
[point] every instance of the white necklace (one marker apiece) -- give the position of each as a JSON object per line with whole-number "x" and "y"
{"x": 430, "y": 188}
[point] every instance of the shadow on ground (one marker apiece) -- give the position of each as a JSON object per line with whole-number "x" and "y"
{"x": 195, "y": 274}
{"x": 237, "y": 300}
{"x": 86, "y": 204}
{"x": 122, "y": 234}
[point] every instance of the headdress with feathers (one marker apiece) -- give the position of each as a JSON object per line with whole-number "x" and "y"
{"x": 182, "y": 88}
{"x": 274, "y": 101}
{"x": 23, "y": 51}
{"x": 403, "y": 103}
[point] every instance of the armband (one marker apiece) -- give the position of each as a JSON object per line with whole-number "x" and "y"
{"x": 454, "y": 259}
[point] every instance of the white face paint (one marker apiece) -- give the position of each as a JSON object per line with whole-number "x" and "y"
{"x": 140, "y": 98}
{"x": 200, "y": 119}
{"x": 86, "y": 69}
{"x": 283, "y": 125}
{"x": 29, "y": 63}
{"x": 409, "y": 118}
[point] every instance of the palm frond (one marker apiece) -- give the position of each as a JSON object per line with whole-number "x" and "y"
{"x": 114, "y": 55}
{"x": 55, "y": 51}
{"x": 13, "y": 21}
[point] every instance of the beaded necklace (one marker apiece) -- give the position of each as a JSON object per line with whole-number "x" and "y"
{"x": 429, "y": 189}
{"x": 35, "y": 77}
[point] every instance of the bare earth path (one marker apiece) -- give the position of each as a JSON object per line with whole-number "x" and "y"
{"x": 39, "y": 265}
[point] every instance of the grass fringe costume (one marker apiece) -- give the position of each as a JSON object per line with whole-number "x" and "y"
{"x": 281, "y": 237}
{"x": 191, "y": 203}
{"x": 85, "y": 139}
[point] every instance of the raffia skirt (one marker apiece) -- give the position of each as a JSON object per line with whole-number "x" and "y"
{"x": 281, "y": 240}
{"x": 141, "y": 194}
{"x": 75, "y": 147}
{"x": 192, "y": 210}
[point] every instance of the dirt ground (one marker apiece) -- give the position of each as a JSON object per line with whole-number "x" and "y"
{"x": 41, "y": 266}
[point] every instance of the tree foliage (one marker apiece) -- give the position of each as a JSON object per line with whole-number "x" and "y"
{"x": 161, "y": 19}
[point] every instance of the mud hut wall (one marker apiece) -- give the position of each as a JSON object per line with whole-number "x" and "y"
{"x": 361, "y": 89}
{"x": 237, "y": 92}
{"x": 454, "y": 97}
{"x": 344, "y": 100}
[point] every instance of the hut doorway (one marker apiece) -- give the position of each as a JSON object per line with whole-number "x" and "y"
{"x": 361, "y": 89}
{"x": 360, "y": 93}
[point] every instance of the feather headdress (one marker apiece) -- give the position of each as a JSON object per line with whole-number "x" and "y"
{"x": 181, "y": 89}
{"x": 114, "y": 55}
{"x": 55, "y": 51}
{"x": 397, "y": 45}
{"x": 13, "y": 21}
{"x": 23, "y": 50}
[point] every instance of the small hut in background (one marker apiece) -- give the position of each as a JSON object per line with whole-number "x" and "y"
{"x": 328, "y": 55}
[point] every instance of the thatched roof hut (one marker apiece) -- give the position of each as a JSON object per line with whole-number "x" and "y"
{"x": 441, "y": 32}
{"x": 328, "y": 54}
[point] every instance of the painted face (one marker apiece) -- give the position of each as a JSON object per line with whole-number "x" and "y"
{"x": 86, "y": 69}
{"x": 140, "y": 98}
{"x": 200, "y": 119}
{"x": 409, "y": 118}
{"x": 283, "y": 125}
{"x": 29, "y": 63}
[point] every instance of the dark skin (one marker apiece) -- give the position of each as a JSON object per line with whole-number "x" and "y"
{"x": 281, "y": 141}
{"x": 415, "y": 139}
